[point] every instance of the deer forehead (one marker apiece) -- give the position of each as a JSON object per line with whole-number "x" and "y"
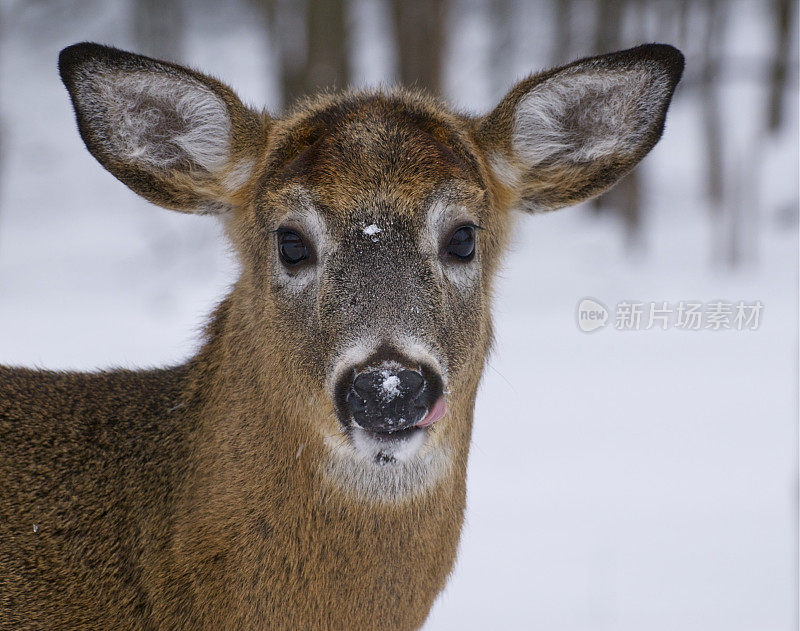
{"x": 361, "y": 151}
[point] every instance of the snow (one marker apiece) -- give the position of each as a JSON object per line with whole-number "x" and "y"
{"x": 372, "y": 231}
{"x": 618, "y": 480}
{"x": 390, "y": 385}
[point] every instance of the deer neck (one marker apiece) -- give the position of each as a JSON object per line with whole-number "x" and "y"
{"x": 258, "y": 516}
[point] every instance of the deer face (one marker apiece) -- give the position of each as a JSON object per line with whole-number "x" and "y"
{"x": 370, "y": 225}
{"x": 373, "y": 223}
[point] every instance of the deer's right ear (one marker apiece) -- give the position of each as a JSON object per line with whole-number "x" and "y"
{"x": 568, "y": 134}
{"x": 178, "y": 138}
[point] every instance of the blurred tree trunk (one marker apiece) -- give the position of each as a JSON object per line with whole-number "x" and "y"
{"x": 419, "y": 34}
{"x": 782, "y": 14}
{"x": 607, "y": 27}
{"x": 743, "y": 201}
{"x": 310, "y": 39}
{"x": 625, "y": 197}
{"x": 502, "y": 16}
{"x": 683, "y": 23}
{"x": 712, "y": 111}
{"x": 158, "y": 28}
{"x": 326, "y": 64}
{"x": 287, "y": 27}
{"x": 562, "y": 33}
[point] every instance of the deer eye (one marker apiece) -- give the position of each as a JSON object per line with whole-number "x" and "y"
{"x": 462, "y": 243}
{"x": 291, "y": 247}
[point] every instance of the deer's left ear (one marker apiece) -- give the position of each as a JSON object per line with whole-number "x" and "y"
{"x": 568, "y": 134}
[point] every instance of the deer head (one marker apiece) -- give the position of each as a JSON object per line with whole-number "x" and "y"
{"x": 369, "y": 227}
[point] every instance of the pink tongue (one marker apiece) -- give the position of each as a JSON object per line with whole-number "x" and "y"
{"x": 438, "y": 410}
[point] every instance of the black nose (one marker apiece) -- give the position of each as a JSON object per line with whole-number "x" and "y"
{"x": 384, "y": 400}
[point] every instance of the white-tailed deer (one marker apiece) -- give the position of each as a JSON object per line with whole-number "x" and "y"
{"x": 307, "y": 468}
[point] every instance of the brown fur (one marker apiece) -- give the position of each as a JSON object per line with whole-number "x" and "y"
{"x": 198, "y": 497}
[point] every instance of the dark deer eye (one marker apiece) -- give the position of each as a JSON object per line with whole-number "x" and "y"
{"x": 291, "y": 247}
{"x": 462, "y": 243}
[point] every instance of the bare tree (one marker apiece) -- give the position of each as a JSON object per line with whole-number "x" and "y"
{"x": 624, "y": 198}
{"x": 782, "y": 18}
{"x": 562, "y": 39}
{"x": 607, "y": 25}
{"x": 326, "y": 63}
{"x": 158, "y": 28}
{"x": 502, "y": 17}
{"x": 709, "y": 97}
{"x": 310, "y": 39}
{"x": 419, "y": 35}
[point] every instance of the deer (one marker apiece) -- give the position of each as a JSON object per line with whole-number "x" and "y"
{"x": 306, "y": 468}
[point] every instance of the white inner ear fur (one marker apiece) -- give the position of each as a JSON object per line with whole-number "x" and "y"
{"x": 506, "y": 172}
{"x": 239, "y": 174}
{"x": 586, "y": 114}
{"x": 159, "y": 120}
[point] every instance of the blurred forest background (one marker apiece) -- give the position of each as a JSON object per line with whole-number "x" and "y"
{"x": 308, "y": 45}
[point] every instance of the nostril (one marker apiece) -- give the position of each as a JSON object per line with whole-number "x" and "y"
{"x": 411, "y": 383}
{"x": 364, "y": 385}
{"x": 356, "y": 402}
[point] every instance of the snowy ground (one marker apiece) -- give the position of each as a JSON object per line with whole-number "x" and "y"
{"x": 618, "y": 480}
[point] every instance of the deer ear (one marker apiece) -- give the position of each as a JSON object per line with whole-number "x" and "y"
{"x": 178, "y": 138}
{"x": 568, "y": 134}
